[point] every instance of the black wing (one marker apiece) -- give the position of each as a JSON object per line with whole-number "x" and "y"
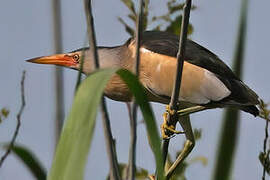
{"x": 167, "y": 44}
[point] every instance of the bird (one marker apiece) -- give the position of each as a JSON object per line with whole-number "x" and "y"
{"x": 206, "y": 80}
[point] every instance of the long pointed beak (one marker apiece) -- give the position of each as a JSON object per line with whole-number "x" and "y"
{"x": 57, "y": 59}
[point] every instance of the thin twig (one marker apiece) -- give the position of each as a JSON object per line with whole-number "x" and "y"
{"x": 11, "y": 144}
{"x": 79, "y": 77}
{"x": 264, "y": 147}
{"x": 180, "y": 62}
{"x": 105, "y": 117}
{"x": 265, "y": 115}
{"x": 129, "y": 109}
{"x": 114, "y": 170}
{"x": 91, "y": 31}
{"x": 133, "y": 120}
{"x": 59, "y": 77}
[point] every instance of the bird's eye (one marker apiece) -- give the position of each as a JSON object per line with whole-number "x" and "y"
{"x": 76, "y": 57}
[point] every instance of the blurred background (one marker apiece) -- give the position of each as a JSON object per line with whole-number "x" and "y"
{"x": 27, "y": 31}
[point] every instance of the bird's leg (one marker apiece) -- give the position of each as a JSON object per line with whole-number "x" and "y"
{"x": 168, "y": 130}
{"x": 188, "y": 146}
{"x": 190, "y": 110}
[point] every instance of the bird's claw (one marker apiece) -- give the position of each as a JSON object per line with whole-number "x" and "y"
{"x": 168, "y": 131}
{"x": 169, "y": 110}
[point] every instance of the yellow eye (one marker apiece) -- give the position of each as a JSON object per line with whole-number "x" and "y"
{"x": 76, "y": 57}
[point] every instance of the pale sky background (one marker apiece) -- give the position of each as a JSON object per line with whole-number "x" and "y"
{"x": 26, "y": 32}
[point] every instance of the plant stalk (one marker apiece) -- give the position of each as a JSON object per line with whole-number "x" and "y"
{"x": 105, "y": 116}
{"x": 58, "y": 72}
{"x": 133, "y": 120}
{"x": 180, "y": 62}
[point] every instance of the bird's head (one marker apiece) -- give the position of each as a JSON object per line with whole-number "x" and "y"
{"x": 71, "y": 60}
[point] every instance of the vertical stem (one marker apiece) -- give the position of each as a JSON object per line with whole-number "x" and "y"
{"x": 265, "y": 139}
{"x": 132, "y": 147}
{"x": 58, "y": 72}
{"x": 91, "y": 31}
{"x": 16, "y": 132}
{"x": 133, "y": 120}
{"x": 180, "y": 61}
{"x": 230, "y": 128}
{"x": 114, "y": 171}
{"x": 105, "y": 116}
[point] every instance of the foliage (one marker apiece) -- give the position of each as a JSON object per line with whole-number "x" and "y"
{"x": 140, "y": 173}
{"x": 30, "y": 161}
{"x": 152, "y": 131}
{"x": 133, "y": 15}
{"x": 228, "y": 138}
{"x": 181, "y": 169}
{"x": 265, "y": 160}
{"x": 75, "y": 140}
{"x": 4, "y": 112}
{"x": 264, "y": 155}
{"x": 170, "y": 21}
{"x": 72, "y": 149}
{"x": 77, "y": 133}
{"x": 179, "y": 174}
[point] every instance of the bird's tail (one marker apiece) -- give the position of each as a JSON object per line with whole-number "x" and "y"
{"x": 242, "y": 97}
{"x": 251, "y": 109}
{"x": 249, "y": 99}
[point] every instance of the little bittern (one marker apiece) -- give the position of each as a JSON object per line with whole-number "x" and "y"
{"x": 207, "y": 82}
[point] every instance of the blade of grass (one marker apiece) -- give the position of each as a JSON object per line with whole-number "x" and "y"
{"x": 104, "y": 112}
{"x": 151, "y": 126}
{"x": 76, "y": 137}
{"x": 58, "y": 73}
{"x": 228, "y": 138}
{"x": 30, "y": 161}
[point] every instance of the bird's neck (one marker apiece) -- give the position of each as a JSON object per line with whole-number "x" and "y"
{"x": 109, "y": 57}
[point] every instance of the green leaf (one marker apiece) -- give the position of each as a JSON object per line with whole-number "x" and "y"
{"x": 197, "y": 134}
{"x": 175, "y": 26}
{"x": 73, "y": 147}
{"x": 30, "y": 161}
{"x": 129, "y": 4}
{"x": 265, "y": 161}
{"x": 140, "y": 173}
{"x": 200, "y": 159}
{"x": 128, "y": 29}
{"x": 5, "y": 112}
{"x": 229, "y": 132}
{"x": 175, "y": 7}
{"x": 74, "y": 144}
{"x": 132, "y": 17}
{"x": 152, "y": 130}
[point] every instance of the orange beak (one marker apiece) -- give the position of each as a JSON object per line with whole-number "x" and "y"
{"x": 57, "y": 59}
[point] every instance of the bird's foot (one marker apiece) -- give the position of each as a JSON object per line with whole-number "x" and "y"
{"x": 168, "y": 131}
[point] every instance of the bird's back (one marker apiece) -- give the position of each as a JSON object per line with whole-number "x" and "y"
{"x": 167, "y": 44}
